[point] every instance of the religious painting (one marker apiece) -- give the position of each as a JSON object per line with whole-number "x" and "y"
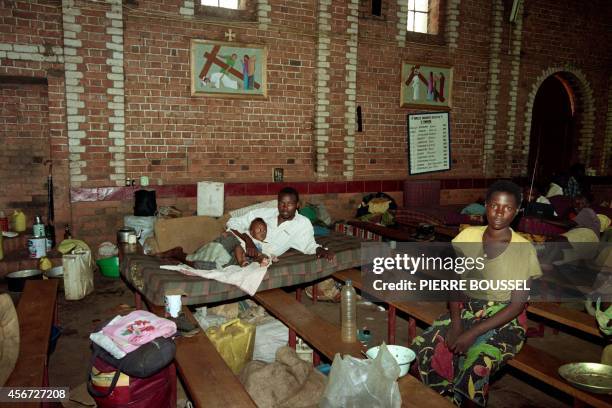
{"x": 426, "y": 86}
{"x": 226, "y": 69}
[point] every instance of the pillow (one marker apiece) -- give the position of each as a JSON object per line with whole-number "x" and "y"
{"x": 190, "y": 233}
{"x": 9, "y": 337}
{"x": 241, "y": 211}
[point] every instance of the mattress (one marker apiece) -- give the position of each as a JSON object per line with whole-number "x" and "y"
{"x": 143, "y": 274}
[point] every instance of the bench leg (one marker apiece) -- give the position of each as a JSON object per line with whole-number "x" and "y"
{"x": 173, "y": 385}
{"x": 316, "y": 358}
{"x": 314, "y": 293}
{"x": 411, "y": 328}
{"x": 391, "y": 324}
{"x": 298, "y": 294}
{"x": 292, "y": 339}
{"x": 579, "y": 404}
{"x": 137, "y": 301}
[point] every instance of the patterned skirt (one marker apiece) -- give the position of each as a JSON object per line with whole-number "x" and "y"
{"x": 467, "y": 376}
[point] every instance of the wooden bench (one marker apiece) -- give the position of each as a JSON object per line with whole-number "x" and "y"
{"x": 208, "y": 380}
{"x": 575, "y": 319}
{"x": 530, "y": 360}
{"x": 326, "y": 338}
{"x": 36, "y": 311}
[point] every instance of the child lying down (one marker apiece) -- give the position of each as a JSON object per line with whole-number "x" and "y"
{"x": 228, "y": 249}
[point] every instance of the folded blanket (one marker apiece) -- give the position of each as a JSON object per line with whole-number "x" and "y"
{"x": 247, "y": 278}
{"x": 137, "y": 328}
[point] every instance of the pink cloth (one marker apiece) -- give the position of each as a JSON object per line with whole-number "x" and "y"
{"x": 137, "y": 328}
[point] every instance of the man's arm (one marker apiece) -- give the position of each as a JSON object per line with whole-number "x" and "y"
{"x": 239, "y": 226}
{"x": 250, "y": 248}
{"x": 303, "y": 240}
{"x": 326, "y": 253}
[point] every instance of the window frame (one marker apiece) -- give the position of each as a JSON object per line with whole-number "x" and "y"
{"x": 437, "y": 10}
{"x": 246, "y": 11}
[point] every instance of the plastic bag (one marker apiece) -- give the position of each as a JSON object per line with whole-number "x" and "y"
{"x": 78, "y": 275}
{"x": 144, "y": 226}
{"x": 355, "y": 383}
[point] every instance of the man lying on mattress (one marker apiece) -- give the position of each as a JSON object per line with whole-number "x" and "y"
{"x": 285, "y": 229}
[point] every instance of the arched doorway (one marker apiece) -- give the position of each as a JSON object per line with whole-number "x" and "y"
{"x": 553, "y": 138}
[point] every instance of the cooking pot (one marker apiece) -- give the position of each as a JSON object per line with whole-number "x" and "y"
{"x": 16, "y": 280}
{"x": 123, "y": 235}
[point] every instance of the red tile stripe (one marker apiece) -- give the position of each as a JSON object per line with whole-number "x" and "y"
{"x": 304, "y": 187}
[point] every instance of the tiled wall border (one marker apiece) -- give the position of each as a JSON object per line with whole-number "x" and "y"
{"x": 304, "y": 187}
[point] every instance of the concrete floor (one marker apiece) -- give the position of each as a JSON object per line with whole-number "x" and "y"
{"x": 68, "y": 365}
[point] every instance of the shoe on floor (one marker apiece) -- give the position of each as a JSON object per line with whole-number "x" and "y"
{"x": 184, "y": 327}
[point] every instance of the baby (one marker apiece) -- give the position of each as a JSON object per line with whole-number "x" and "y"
{"x": 258, "y": 231}
{"x": 227, "y": 249}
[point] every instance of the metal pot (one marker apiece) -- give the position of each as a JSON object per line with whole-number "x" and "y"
{"x": 16, "y": 280}
{"x": 124, "y": 233}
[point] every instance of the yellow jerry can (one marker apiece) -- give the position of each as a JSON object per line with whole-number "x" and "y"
{"x": 18, "y": 221}
{"x": 234, "y": 340}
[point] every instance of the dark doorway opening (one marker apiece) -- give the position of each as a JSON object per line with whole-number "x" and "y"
{"x": 553, "y": 141}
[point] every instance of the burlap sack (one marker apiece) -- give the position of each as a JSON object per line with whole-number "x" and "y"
{"x": 287, "y": 383}
{"x": 327, "y": 291}
{"x": 9, "y": 337}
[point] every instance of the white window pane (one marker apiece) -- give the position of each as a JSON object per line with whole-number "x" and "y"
{"x": 231, "y": 4}
{"x": 214, "y": 3}
{"x": 410, "y": 4}
{"x": 421, "y": 5}
{"x": 420, "y": 22}
{"x": 410, "y": 21}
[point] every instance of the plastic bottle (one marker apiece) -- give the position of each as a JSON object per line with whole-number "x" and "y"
{"x": 38, "y": 229}
{"x": 348, "y": 309}
{"x": 18, "y": 221}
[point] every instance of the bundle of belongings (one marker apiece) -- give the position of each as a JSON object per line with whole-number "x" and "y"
{"x": 377, "y": 208}
{"x": 287, "y": 382}
{"x": 131, "y": 363}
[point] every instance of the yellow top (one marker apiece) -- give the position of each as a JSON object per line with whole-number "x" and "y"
{"x": 519, "y": 261}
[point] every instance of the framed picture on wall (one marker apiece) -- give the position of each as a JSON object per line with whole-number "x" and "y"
{"x": 227, "y": 69}
{"x": 426, "y": 86}
{"x": 428, "y": 142}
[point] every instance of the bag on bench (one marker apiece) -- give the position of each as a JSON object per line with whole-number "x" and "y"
{"x": 138, "y": 375}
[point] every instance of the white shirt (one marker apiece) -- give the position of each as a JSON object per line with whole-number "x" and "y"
{"x": 296, "y": 233}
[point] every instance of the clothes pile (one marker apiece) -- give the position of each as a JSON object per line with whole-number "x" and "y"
{"x": 124, "y": 334}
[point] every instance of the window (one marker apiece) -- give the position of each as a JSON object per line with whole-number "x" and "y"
{"x": 229, "y": 4}
{"x": 418, "y": 13}
{"x": 227, "y": 10}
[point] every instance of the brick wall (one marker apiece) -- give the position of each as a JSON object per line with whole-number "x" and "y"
{"x": 24, "y": 137}
{"x": 119, "y": 103}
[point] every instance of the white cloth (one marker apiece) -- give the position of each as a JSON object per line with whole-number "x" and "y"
{"x": 247, "y": 278}
{"x": 416, "y": 86}
{"x": 296, "y": 233}
{"x": 107, "y": 343}
{"x": 219, "y": 79}
{"x": 554, "y": 190}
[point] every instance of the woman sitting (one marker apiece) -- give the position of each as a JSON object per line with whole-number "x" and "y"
{"x": 460, "y": 352}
